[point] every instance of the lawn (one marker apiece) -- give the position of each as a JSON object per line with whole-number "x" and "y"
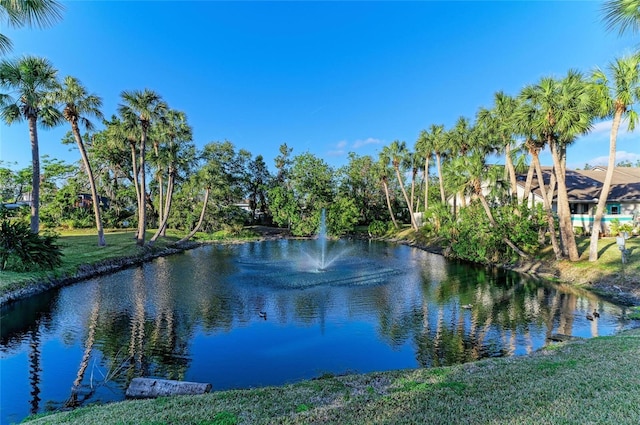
{"x": 595, "y": 381}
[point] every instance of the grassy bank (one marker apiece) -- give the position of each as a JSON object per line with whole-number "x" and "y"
{"x": 595, "y": 381}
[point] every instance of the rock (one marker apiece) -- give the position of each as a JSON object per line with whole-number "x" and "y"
{"x": 152, "y": 388}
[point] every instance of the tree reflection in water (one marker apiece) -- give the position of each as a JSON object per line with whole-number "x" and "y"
{"x": 196, "y": 317}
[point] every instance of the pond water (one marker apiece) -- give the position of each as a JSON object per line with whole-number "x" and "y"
{"x": 265, "y": 313}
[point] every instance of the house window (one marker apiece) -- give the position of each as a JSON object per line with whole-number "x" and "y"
{"x": 614, "y": 209}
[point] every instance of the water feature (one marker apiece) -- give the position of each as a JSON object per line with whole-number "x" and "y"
{"x": 257, "y": 314}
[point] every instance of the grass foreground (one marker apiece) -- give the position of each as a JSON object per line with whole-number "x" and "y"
{"x": 594, "y": 381}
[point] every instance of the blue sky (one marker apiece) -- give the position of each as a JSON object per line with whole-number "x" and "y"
{"x": 324, "y": 77}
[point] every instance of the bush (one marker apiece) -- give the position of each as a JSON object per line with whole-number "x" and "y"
{"x": 21, "y": 250}
{"x": 617, "y": 228}
{"x": 379, "y": 228}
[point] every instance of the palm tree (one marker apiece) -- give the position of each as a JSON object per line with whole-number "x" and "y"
{"x": 524, "y": 119}
{"x": 77, "y": 104}
{"x": 177, "y": 154}
{"x": 30, "y": 80}
{"x": 32, "y": 13}
{"x": 143, "y": 108}
{"x": 498, "y": 123}
{"x": 382, "y": 170}
{"x": 624, "y": 14}
{"x": 424, "y": 148}
{"x": 615, "y": 97}
{"x": 565, "y": 110}
{"x": 439, "y": 144}
{"x": 396, "y": 153}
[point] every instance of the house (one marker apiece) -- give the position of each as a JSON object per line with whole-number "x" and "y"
{"x": 583, "y": 190}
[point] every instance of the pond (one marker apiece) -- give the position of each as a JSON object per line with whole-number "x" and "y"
{"x": 269, "y": 313}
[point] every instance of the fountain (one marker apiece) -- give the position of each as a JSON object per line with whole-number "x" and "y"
{"x": 322, "y": 240}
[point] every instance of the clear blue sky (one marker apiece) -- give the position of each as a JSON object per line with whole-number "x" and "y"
{"x": 324, "y": 77}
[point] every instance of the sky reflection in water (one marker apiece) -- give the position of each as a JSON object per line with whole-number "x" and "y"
{"x": 200, "y": 316}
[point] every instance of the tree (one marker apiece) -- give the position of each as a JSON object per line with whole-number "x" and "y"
{"x": 31, "y": 13}
{"x": 395, "y": 154}
{"x": 564, "y": 111}
{"x": 424, "y": 147}
{"x": 259, "y": 179}
{"x": 498, "y": 126}
{"x": 177, "y": 153}
{"x": 439, "y": 143}
{"x": 381, "y": 169}
{"x": 31, "y": 80}
{"x": 77, "y": 104}
{"x": 615, "y": 97}
{"x": 141, "y": 108}
{"x": 624, "y": 14}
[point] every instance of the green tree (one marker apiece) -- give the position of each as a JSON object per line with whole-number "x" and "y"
{"x": 141, "y": 108}
{"x": 31, "y": 13}
{"x": 77, "y": 105}
{"x": 565, "y": 111}
{"x": 395, "y": 154}
{"x": 30, "y": 81}
{"x": 259, "y": 179}
{"x": 176, "y": 154}
{"x": 424, "y": 148}
{"x": 622, "y": 14}
{"x": 440, "y": 149}
{"x": 498, "y": 125}
{"x": 616, "y": 97}
{"x": 381, "y": 170}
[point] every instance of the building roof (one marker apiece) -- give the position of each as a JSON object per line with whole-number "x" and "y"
{"x": 585, "y": 185}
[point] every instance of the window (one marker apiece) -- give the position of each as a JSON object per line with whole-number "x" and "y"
{"x": 614, "y": 209}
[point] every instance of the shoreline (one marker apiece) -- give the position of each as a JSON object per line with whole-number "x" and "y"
{"x": 610, "y": 287}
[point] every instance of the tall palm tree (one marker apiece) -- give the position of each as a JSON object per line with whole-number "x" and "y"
{"x": 565, "y": 111}
{"x": 424, "y": 148}
{"x": 30, "y": 81}
{"x": 439, "y": 143}
{"x": 396, "y": 153}
{"x": 524, "y": 120}
{"x": 615, "y": 96}
{"x": 498, "y": 123}
{"x": 143, "y": 108}
{"x": 77, "y": 105}
{"x": 623, "y": 14}
{"x": 31, "y": 13}
{"x": 382, "y": 171}
{"x": 177, "y": 153}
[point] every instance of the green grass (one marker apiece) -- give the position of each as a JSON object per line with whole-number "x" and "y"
{"x": 80, "y": 247}
{"x": 595, "y": 381}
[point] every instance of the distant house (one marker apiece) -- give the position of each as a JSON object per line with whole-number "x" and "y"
{"x": 85, "y": 200}
{"x": 583, "y": 190}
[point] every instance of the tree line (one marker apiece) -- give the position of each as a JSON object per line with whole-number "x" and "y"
{"x": 145, "y": 162}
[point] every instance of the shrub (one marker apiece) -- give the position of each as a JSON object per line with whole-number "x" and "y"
{"x": 21, "y": 250}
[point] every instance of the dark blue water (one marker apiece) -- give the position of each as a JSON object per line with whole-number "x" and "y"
{"x": 257, "y": 314}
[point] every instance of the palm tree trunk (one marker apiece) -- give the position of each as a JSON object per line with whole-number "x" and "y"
{"x": 165, "y": 217}
{"x": 606, "y": 186}
{"x": 136, "y": 183}
{"x": 413, "y": 187}
{"x": 142, "y": 210}
{"x": 386, "y": 193}
{"x": 511, "y": 170}
{"x": 35, "y": 175}
{"x": 92, "y": 183}
{"x": 566, "y": 227}
{"x": 426, "y": 184}
{"x": 527, "y": 186}
{"x": 168, "y": 201}
{"x": 406, "y": 198}
{"x": 195, "y": 229}
{"x": 547, "y": 206}
{"x": 439, "y": 166}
